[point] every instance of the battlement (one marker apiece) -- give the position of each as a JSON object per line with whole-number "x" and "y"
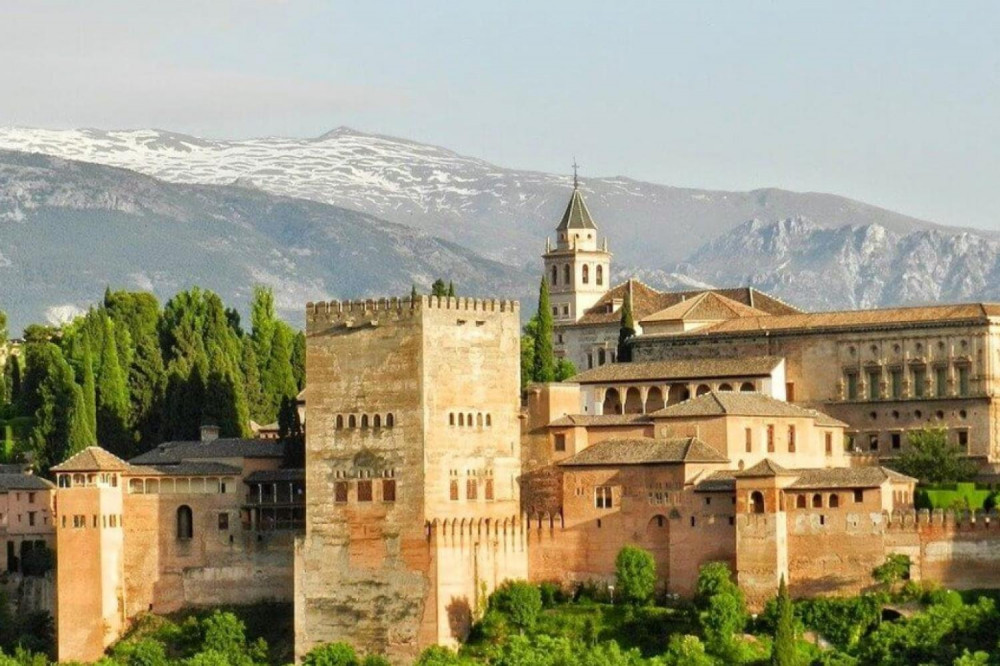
{"x": 372, "y": 311}
{"x": 942, "y": 518}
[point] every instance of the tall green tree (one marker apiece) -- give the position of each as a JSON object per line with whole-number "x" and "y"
{"x": 635, "y": 575}
{"x": 528, "y": 335}
{"x": 439, "y": 288}
{"x": 56, "y": 403}
{"x": 263, "y": 322}
{"x": 112, "y": 395}
{"x": 783, "y": 651}
{"x": 451, "y": 289}
{"x": 545, "y": 366}
{"x": 89, "y": 393}
{"x": 626, "y": 330}
{"x": 278, "y": 378}
{"x": 299, "y": 359}
{"x": 251, "y": 379}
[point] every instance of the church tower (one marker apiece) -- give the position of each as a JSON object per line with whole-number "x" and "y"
{"x": 577, "y": 269}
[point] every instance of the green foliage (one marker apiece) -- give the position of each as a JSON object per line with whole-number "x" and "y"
{"x": 544, "y": 368}
{"x": 112, "y": 393}
{"x": 783, "y": 649}
{"x": 842, "y": 621}
{"x": 635, "y": 575}
{"x": 626, "y": 330}
{"x": 564, "y": 369}
{"x": 38, "y": 561}
{"x": 932, "y": 459}
{"x": 893, "y": 570}
{"x": 963, "y": 496}
{"x": 722, "y": 607}
{"x": 331, "y": 654}
{"x": 50, "y": 394}
{"x": 519, "y": 601}
{"x": 685, "y": 650}
{"x": 144, "y": 652}
{"x": 440, "y": 656}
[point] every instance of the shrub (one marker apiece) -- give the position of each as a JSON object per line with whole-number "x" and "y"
{"x": 331, "y": 654}
{"x": 552, "y": 594}
{"x": 723, "y": 607}
{"x": 436, "y": 655}
{"x": 519, "y": 601}
{"x": 635, "y": 575}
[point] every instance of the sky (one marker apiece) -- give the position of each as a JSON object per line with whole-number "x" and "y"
{"x": 892, "y": 103}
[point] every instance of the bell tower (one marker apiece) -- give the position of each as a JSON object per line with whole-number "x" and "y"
{"x": 577, "y": 268}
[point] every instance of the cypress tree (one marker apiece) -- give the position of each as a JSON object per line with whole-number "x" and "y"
{"x": 278, "y": 380}
{"x": 783, "y": 651}
{"x": 413, "y": 292}
{"x": 626, "y": 329}
{"x": 80, "y": 434}
{"x": 112, "y": 395}
{"x": 263, "y": 322}
{"x": 299, "y": 360}
{"x": 529, "y": 332}
{"x": 545, "y": 365}
{"x": 251, "y": 381}
{"x": 88, "y": 394}
{"x": 451, "y": 289}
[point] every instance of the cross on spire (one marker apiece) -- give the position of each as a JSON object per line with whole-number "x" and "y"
{"x": 576, "y": 182}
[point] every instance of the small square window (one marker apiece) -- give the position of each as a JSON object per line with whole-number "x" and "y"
{"x": 560, "y": 443}
{"x": 389, "y": 490}
{"x": 859, "y": 496}
{"x": 340, "y": 492}
{"x": 963, "y": 438}
{"x": 365, "y": 491}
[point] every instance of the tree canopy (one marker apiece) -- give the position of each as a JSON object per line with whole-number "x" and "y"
{"x": 930, "y": 458}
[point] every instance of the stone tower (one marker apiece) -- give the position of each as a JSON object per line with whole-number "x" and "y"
{"x": 90, "y": 601}
{"x": 578, "y": 269}
{"x": 761, "y": 530}
{"x": 412, "y": 459}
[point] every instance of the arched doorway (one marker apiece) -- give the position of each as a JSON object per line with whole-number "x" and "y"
{"x": 633, "y": 401}
{"x": 756, "y": 502}
{"x": 612, "y": 402}
{"x": 654, "y": 400}
{"x": 656, "y": 540}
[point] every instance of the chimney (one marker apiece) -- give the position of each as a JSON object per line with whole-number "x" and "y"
{"x": 209, "y": 432}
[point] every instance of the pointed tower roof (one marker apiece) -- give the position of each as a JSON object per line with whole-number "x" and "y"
{"x": 92, "y": 459}
{"x": 576, "y": 216}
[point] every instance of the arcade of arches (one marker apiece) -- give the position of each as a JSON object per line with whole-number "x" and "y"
{"x": 648, "y": 399}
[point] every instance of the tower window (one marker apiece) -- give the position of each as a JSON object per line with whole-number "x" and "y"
{"x": 770, "y": 439}
{"x": 602, "y": 497}
{"x": 365, "y": 491}
{"x": 567, "y": 275}
{"x": 388, "y": 490}
{"x": 586, "y": 274}
{"x": 791, "y": 439}
{"x": 453, "y": 491}
{"x": 185, "y": 522}
{"x": 555, "y": 275}
{"x": 829, "y": 443}
{"x": 471, "y": 488}
{"x": 340, "y": 492}
{"x": 489, "y": 490}
{"x": 600, "y": 275}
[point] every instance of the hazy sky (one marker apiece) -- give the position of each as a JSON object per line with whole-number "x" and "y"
{"x": 894, "y": 103}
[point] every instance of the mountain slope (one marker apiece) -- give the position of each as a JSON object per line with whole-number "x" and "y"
{"x": 501, "y": 213}
{"x": 859, "y": 266}
{"x": 68, "y": 229}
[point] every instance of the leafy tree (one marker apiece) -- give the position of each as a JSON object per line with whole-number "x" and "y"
{"x": 278, "y": 379}
{"x": 263, "y": 321}
{"x": 626, "y": 331}
{"x": 722, "y": 607}
{"x": 437, "y": 655}
{"x": 143, "y": 652}
{"x": 894, "y": 569}
{"x": 686, "y": 650}
{"x": 331, "y": 654}
{"x": 529, "y": 333}
{"x": 544, "y": 359}
{"x": 298, "y": 360}
{"x": 783, "y": 651}
{"x": 439, "y": 288}
{"x": 635, "y": 575}
{"x": 519, "y": 601}
{"x": 564, "y": 369}
{"x": 375, "y": 660}
{"x": 89, "y": 389}
{"x": 55, "y": 401}
{"x": 251, "y": 379}
{"x": 930, "y": 458}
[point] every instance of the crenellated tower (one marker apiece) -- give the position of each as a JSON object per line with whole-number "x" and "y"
{"x": 578, "y": 267}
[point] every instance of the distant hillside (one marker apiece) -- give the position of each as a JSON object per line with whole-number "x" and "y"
{"x": 860, "y": 266}
{"x": 500, "y": 213}
{"x": 68, "y": 229}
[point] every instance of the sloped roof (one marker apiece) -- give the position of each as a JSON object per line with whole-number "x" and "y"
{"x": 846, "y": 477}
{"x": 686, "y": 368}
{"x": 647, "y": 301}
{"x": 715, "y": 482}
{"x": 185, "y": 469}
{"x": 276, "y": 475}
{"x": 852, "y": 319}
{"x": 646, "y": 451}
{"x": 598, "y": 420}
{"x": 576, "y": 216}
{"x": 92, "y": 459}
{"x": 765, "y": 468}
{"x": 733, "y": 403}
{"x": 171, "y": 453}
{"x": 706, "y": 306}
{"x": 16, "y": 481}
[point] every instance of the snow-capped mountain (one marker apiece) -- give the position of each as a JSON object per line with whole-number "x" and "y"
{"x": 69, "y": 229}
{"x": 858, "y": 266}
{"x": 504, "y": 214}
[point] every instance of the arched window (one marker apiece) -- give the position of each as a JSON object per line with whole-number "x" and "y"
{"x": 612, "y": 401}
{"x": 600, "y": 275}
{"x": 834, "y": 501}
{"x": 479, "y": 420}
{"x": 451, "y": 418}
{"x": 489, "y": 420}
{"x": 725, "y": 387}
{"x": 756, "y": 502}
{"x": 817, "y": 501}
{"x": 586, "y": 274}
{"x": 468, "y": 419}
{"x": 702, "y": 389}
{"x": 800, "y": 502}
{"x": 601, "y": 358}
{"x": 377, "y": 421}
{"x": 747, "y": 387}
{"x": 185, "y": 522}
{"x": 390, "y": 420}
{"x": 555, "y": 275}
{"x": 567, "y": 275}
{"x": 352, "y": 421}
{"x": 364, "y": 420}
{"x": 340, "y": 422}
{"x": 461, "y": 419}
